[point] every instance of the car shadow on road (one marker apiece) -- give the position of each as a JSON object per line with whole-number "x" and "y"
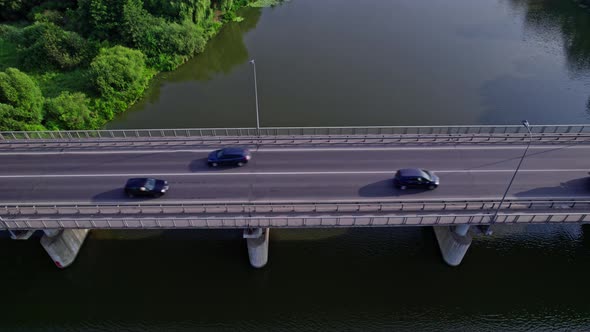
{"x": 200, "y": 165}
{"x": 385, "y": 188}
{"x": 117, "y": 195}
{"x": 572, "y": 188}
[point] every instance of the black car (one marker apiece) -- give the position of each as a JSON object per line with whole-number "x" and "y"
{"x": 415, "y": 178}
{"x": 229, "y": 156}
{"x": 146, "y": 187}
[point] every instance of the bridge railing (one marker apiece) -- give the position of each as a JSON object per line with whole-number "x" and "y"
{"x": 304, "y": 221}
{"x": 251, "y": 209}
{"x": 571, "y": 129}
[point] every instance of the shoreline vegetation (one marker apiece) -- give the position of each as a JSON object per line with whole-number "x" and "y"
{"x": 75, "y": 64}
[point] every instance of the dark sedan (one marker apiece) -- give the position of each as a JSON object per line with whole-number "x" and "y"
{"x": 229, "y": 156}
{"x": 146, "y": 187}
{"x": 415, "y": 178}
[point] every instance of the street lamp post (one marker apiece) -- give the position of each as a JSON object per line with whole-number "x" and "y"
{"x": 526, "y": 124}
{"x": 256, "y": 96}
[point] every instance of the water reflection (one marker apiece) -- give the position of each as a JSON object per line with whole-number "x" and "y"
{"x": 572, "y": 21}
{"x": 223, "y": 53}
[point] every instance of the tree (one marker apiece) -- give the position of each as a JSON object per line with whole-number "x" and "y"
{"x": 16, "y": 9}
{"x": 120, "y": 73}
{"x": 21, "y": 101}
{"x": 196, "y": 11}
{"x": 101, "y": 19}
{"x": 67, "y": 111}
{"x": 45, "y": 45}
{"x": 166, "y": 44}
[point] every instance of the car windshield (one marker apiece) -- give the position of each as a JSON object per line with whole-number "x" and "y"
{"x": 150, "y": 184}
{"x": 425, "y": 174}
{"x": 219, "y": 153}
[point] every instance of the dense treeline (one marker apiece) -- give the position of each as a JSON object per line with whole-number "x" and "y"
{"x": 74, "y": 64}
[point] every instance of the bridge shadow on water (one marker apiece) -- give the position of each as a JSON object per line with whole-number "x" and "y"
{"x": 568, "y": 189}
{"x": 385, "y": 188}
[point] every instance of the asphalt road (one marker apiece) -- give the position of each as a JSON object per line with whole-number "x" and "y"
{"x": 473, "y": 172}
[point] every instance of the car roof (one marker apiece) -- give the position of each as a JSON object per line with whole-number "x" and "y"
{"x": 234, "y": 151}
{"x": 411, "y": 172}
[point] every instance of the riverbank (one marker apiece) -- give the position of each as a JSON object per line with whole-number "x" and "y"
{"x": 76, "y": 65}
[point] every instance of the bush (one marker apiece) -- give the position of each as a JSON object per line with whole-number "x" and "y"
{"x": 51, "y": 11}
{"x": 48, "y": 16}
{"x": 16, "y": 9}
{"x": 194, "y": 11}
{"x": 100, "y": 19}
{"x": 21, "y": 101}
{"x": 119, "y": 73}
{"x": 46, "y": 46}
{"x": 166, "y": 44}
{"x": 67, "y": 111}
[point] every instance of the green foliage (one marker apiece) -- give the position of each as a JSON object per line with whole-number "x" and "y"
{"x": 166, "y": 44}
{"x": 7, "y": 54}
{"x": 53, "y": 83}
{"x": 53, "y": 5}
{"x": 197, "y": 12}
{"x": 21, "y": 101}
{"x": 49, "y": 16}
{"x": 46, "y": 46}
{"x": 265, "y": 3}
{"x": 106, "y": 109}
{"x": 229, "y": 16}
{"x": 67, "y": 111}
{"x": 16, "y": 9}
{"x": 11, "y": 34}
{"x": 101, "y": 19}
{"x": 119, "y": 73}
{"x": 58, "y": 43}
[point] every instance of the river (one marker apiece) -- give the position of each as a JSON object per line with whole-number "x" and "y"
{"x": 340, "y": 62}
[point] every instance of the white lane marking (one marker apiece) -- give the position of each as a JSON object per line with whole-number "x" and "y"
{"x": 308, "y": 149}
{"x": 213, "y": 173}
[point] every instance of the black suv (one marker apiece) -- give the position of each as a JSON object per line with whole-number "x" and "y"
{"x": 229, "y": 156}
{"x": 146, "y": 187}
{"x": 415, "y": 178}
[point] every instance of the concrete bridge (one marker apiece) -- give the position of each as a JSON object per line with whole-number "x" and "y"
{"x": 66, "y": 183}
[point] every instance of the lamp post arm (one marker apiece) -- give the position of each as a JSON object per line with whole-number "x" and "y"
{"x": 256, "y": 96}
{"x": 493, "y": 220}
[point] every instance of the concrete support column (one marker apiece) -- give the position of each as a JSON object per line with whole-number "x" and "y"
{"x": 63, "y": 245}
{"x": 21, "y": 234}
{"x": 257, "y": 241}
{"x": 453, "y": 242}
{"x": 461, "y": 230}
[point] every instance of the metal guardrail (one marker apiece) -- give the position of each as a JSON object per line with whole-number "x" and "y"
{"x": 294, "y": 131}
{"x": 313, "y": 139}
{"x": 251, "y": 209}
{"x": 294, "y": 222}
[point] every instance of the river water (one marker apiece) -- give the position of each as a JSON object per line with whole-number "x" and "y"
{"x": 340, "y": 62}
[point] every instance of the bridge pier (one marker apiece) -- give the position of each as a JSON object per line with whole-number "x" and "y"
{"x": 453, "y": 242}
{"x": 63, "y": 245}
{"x": 257, "y": 241}
{"x": 21, "y": 235}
